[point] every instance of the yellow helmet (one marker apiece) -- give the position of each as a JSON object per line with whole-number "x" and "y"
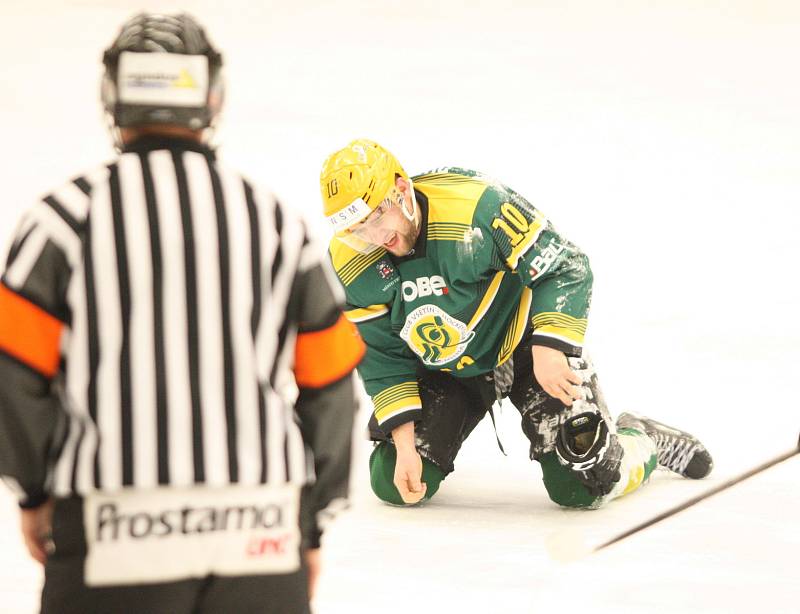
{"x": 355, "y": 180}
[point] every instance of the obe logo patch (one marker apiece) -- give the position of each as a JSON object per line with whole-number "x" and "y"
{"x": 434, "y": 336}
{"x": 424, "y": 286}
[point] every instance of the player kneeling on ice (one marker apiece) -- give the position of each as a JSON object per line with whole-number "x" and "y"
{"x": 466, "y": 294}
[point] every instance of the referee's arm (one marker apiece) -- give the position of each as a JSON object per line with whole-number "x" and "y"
{"x": 33, "y": 318}
{"x": 327, "y": 350}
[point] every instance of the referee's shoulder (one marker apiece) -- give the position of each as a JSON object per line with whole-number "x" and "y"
{"x": 71, "y": 200}
{"x": 256, "y": 191}
{"x": 272, "y": 212}
{"x": 261, "y": 196}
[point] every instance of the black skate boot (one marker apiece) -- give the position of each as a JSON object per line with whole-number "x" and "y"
{"x": 677, "y": 450}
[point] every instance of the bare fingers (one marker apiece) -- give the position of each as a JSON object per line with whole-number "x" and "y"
{"x": 411, "y": 492}
{"x": 566, "y": 388}
{"x": 36, "y": 549}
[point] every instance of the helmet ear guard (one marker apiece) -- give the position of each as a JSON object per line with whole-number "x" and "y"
{"x": 411, "y": 217}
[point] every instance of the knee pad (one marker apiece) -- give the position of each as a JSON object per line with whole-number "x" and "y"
{"x": 564, "y": 486}
{"x": 381, "y": 474}
{"x": 543, "y": 415}
{"x": 587, "y": 447}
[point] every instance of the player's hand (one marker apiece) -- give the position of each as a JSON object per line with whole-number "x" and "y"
{"x": 551, "y": 370}
{"x": 36, "y": 527}
{"x": 408, "y": 475}
{"x": 313, "y": 563}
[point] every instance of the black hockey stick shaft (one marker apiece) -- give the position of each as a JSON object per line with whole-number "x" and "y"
{"x": 686, "y": 504}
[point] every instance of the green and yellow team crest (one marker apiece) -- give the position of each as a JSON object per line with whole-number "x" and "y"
{"x": 434, "y": 336}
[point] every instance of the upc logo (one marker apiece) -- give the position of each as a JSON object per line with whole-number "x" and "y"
{"x": 422, "y": 287}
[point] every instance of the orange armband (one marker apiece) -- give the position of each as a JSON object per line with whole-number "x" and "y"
{"x": 325, "y": 356}
{"x": 28, "y": 333}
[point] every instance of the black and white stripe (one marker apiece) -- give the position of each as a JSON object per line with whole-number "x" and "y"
{"x": 179, "y": 347}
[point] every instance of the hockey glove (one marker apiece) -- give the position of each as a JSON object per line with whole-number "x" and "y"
{"x": 586, "y": 446}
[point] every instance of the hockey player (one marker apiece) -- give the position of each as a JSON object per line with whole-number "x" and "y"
{"x": 465, "y": 294}
{"x": 155, "y": 315}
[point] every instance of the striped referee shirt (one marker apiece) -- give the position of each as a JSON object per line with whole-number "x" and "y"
{"x": 154, "y": 317}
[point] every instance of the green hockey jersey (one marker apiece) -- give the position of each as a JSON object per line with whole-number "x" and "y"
{"x": 487, "y": 270}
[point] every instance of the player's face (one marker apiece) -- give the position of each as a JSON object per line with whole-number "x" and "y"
{"x": 389, "y": 225}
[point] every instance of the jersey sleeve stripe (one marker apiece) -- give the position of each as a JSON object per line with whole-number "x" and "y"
{"x": 561, "y": 334}
{"x": 326, "y": 356}
{"x": 392, "y": 411}
{"x": 28, "y": 333}
{"x": 390, "y": 394}
{"x": 395, "y": 401}
{"x": 554, "y": 321}
{"x": 396, "y": 395}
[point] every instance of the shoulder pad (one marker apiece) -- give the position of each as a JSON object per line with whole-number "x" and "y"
{"x": 450, "y": 173}
{"x": 366, "y": 277}
{"x": 453, "y": 195}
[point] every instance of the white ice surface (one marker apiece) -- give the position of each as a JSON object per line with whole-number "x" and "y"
{"x": 662, "y": 137}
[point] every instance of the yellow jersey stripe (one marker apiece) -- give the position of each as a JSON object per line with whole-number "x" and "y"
{"x": 517, "y": 328}
{"x": 389, "y": 412}
{"x": 461, "y": 235}
{"x": 488, "y": 298}
{"x": 395, "y": 397}
{"x": 433, "y": 176}
{"x": 450, "y": 225}
{"x": 351, "y": 264}
{"x": 366, "y": 313}
{"x": 451, "y": 202}
{"x": 506, "y": 349}
{"x": 447, "y": 178}
{"x": 453, "y": 233}
{"x": 555, "y": 319}
{"x": 358, "y": 265}
{"x": 406, "y": 388}
{"x": 562, "y": 334}
{"x": 445, "y": 237}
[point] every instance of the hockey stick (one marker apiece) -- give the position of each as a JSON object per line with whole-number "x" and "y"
{"x": 695, "y": 500}
{"x": 567, "y": 550}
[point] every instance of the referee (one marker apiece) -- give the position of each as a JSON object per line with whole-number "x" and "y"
{"x": 158, "y": 317}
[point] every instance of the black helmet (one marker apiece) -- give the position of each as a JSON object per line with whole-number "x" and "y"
{"x": 162, "y": 69}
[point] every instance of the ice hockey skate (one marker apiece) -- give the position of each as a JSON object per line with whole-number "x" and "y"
{"x": 677, "y": 450}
